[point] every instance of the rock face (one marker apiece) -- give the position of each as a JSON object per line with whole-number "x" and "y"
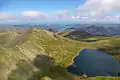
{"x": 94, "y": 63}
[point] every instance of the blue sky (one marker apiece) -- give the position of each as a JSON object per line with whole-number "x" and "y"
{"x": 59, "y": 10}
{"x": 40, "y": 5}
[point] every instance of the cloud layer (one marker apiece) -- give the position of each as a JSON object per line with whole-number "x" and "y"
{"x": 90, "y": 10}
{"x": 99, "y": 9}
{"x": 5, "y": 16}
{"x": 34, "y": 15}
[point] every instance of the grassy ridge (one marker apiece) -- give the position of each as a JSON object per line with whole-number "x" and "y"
{"x": 24, "y": 47}
{"x": 18, "y": 49}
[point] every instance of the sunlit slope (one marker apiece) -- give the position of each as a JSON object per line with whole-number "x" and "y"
{"x": 19, "y": 49}
{"x": 11, "y": 55}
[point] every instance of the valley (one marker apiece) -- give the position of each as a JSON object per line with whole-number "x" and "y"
{"x": 19, "y": 47}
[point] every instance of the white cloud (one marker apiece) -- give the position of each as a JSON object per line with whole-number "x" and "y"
{"x": 5, "y": 16}
{"x": 75, "y": 17}
{"x": 98, "y": 8}
{"x": 62, "y": 15}
{"x": 23, "y": 16}
{"x": 31, "y": 13}
{"x": 90, "y": 10}
{"x": 34, "y": 15}
{"x": 62, "y": 11}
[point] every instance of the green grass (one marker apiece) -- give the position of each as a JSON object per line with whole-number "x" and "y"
{"x": 104, "y": 78}
{"x": 15, "y": 47}
{"x": 27, "y": 45}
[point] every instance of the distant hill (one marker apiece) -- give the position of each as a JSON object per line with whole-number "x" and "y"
{"x": 97, "y": 29}
{"x": 75, "y": 34}
{"x": 93, "y": 28}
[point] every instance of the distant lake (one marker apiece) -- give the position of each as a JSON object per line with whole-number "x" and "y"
{"x": 94, "y": 63}
{"x": 89, "y": 40}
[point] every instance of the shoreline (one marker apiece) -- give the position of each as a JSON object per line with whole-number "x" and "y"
{"x": 73, "y": 58}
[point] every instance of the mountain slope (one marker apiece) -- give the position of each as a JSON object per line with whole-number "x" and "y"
{"x": 19, "y": 49}
{"x": 75, "y": 34}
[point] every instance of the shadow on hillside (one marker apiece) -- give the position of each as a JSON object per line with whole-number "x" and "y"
{"x": 48, "y": 68}
{"x": 24, "y": 69}
{"x": 43, "y": 66}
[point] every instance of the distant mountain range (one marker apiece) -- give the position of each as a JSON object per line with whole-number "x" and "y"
{"x": 75, "y": 34}
{"x": 105, "y": 29}
{"x": 94, "y": 29}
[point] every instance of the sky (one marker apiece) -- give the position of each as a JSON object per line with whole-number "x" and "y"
{"x": 59, "y": 11}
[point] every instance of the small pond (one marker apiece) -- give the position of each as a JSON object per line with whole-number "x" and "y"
{"x": 94, "y": 63}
